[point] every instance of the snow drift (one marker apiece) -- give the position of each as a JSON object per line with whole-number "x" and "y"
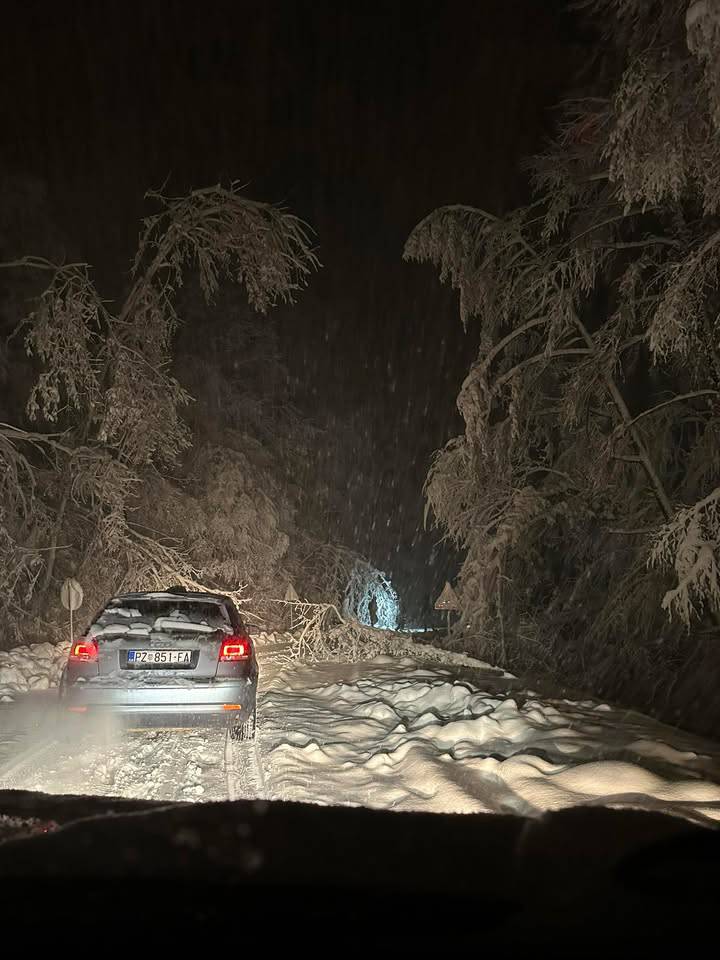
{"x": 36, "y": 666}
{"x": 400, "y": 734}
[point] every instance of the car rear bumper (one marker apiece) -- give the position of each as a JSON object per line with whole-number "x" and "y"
{"x": 207, "y": 704}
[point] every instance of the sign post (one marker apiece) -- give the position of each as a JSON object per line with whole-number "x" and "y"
{"x": 447, "y": 601}
{"x": 71, "y": 597}
{"x": 291, "y": 597}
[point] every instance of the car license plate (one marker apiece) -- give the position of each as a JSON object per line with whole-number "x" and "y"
{"x": 153, "y": 658}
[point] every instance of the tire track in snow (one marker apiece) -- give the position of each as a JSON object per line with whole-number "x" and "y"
{"x": 228, "y": 761}
{"x": 260, "y": 773}
{"x": 153, "y": 765}
{"x": 25, "y": 761}
{"x": 244, "y": 772}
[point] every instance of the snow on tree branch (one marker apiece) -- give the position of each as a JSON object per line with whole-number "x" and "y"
{"x": 65, "y": 334}
{"x": 689, "y": 546}
{"x": 223, "y": 235}
{"x": 702, "y": 24}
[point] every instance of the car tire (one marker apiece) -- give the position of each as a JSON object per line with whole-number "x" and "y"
{"x": 246, "y": 730}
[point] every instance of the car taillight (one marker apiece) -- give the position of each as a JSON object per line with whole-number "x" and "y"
{"x": 235, "y": 648}
{"x": 84, "y": 650}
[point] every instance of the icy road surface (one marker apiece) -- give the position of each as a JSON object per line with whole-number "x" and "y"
{"x": 395, "y": 733}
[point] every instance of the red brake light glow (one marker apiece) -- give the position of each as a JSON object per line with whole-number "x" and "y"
{"x": 235, "y": 648}
{"x": 84, "y": 650}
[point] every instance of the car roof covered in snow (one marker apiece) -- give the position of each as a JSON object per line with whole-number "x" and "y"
{"x": 165, "y": 595}
{"x": 179, "y": 597}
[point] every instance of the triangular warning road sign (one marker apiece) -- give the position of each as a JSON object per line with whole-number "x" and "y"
{"x": 448, "y": 599}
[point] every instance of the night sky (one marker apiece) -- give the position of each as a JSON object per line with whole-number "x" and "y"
{"x": 360, "y": 117}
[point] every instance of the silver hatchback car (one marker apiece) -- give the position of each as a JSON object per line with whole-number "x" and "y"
{"x": 169, "y": 659}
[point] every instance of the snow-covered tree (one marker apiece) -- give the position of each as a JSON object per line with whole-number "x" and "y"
{"x": 106, "y": 408}
{"x": 587, "y": 476}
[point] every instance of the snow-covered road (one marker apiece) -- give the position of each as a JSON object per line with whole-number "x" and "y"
{"x": 400, "y": 733}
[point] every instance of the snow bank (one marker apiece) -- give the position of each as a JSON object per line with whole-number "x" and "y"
{"x": 34, "y": 667}
{"x": 409, "y": 736}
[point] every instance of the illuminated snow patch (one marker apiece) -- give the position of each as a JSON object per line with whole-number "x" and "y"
{"x": 371, "y": 599}
{"x": 399, "y": 734}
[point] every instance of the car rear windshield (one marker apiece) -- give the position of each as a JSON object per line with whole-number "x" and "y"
{"x": 162, "y": 615}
